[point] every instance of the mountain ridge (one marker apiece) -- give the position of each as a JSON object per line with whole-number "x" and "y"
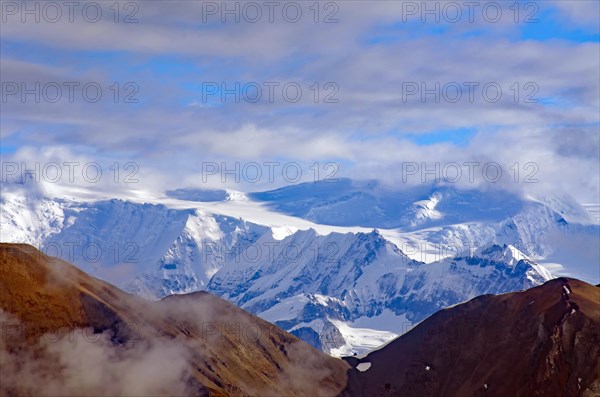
{"x": 216, "y": 349}
{"x": 540, "y": 342}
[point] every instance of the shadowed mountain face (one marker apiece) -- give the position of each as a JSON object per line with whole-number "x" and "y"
{"x": 541, "y": 342}
{"x": 346, "y": 202}
{"x": 66, "y": 333}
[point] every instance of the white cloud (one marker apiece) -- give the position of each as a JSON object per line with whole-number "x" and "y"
{"x": 366, "y": 131}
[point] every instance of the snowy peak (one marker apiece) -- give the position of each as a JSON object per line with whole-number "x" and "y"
{"x": 369, "y": 204}
{"x": 234, "y": 195}
{"x": 202, "y": 247}
{"x": 345, "y": 202}
{"x": 366, "y": 278}
{"x": 425, "y": 210}
{"x": 306, "y": 262}
{"x": 505, "y": 253}
{"x": 567, "y": 209}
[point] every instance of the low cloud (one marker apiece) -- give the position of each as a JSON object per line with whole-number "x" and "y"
{"x": 82, "y": 363}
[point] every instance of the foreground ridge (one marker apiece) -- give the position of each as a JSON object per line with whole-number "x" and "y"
{"x": 66, "y": 333}
{"x": 541, "y": 342}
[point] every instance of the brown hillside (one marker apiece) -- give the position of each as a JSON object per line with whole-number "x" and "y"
{"x": 224, "y": 350}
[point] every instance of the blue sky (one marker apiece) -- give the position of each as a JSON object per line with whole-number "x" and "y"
{"x": 353, "y": 75}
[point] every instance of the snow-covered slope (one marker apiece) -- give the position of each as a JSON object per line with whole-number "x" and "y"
{"x": 430, "y": 222}
{"x": 341, "y": 288}
{"x": 27, "y": 216}
{"x": 556, "y": 233}
{"x": 370, "y": 204}
{"x": 367, "y": 278}
{"x": 204, "y": 244}
{"x": 148, "y": 249}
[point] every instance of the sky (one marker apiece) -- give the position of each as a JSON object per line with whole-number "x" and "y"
{"x": 160, "y": 95}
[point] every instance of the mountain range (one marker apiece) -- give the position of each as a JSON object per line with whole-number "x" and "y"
{"x": 307, "y": 257}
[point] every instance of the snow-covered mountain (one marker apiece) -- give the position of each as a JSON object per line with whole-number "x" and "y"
{"x": 148, "y": 249}
{"x": 369, "y": 281}
{"x": 346, "y": 202}
{"x": 344, "y": 289}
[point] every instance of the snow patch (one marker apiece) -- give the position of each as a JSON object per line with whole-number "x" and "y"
{"x": 280, "y": 233}
{"x": 362, "y": 367}
{"x": 234, "y": 195}
{"x": 359, "y": 340}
